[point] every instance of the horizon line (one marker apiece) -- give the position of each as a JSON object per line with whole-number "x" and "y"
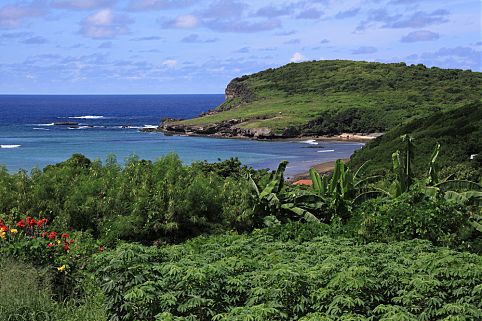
{"x": 105, "y": 94}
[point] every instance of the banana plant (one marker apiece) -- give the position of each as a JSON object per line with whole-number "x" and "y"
{"x": 272, "y": 200}
{"x": 431, "y": 185}
{"x": 343, "y": 189}
{"x": 432, "y": 172}
{"x": 471, "y": 199}
{"x": 402, "y": 168}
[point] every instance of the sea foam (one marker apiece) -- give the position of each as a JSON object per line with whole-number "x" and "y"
{"x": 310, "y": 141}
{"x": 9, "y": 146}
{"x": 80, "y": 127}
{"x": 326, "y": 151}
{"x": 86, "y": 117}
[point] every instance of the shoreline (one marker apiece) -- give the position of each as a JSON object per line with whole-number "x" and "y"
{"x": 343, "y": 137}
{"x": 322, "y": 168}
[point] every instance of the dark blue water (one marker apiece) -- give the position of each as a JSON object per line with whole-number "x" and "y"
{"x": 110, "y": 125}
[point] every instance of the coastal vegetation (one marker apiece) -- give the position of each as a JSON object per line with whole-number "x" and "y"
{"x": 167, "y": 241}
{"x": 394, "y": 234}
{"x": 458, "y": 131}
{"x": 329, "y": 97}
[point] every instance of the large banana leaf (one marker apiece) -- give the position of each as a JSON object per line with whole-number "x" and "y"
{"x": 276, "y": 183}
{"x": 309, "y": 217}
{"x": 399, "y": 184}
{"x": 337, "y": 174}
{"x": 253, "y": 185}
{"x": 360, "y": 169}
{"x": 458, "y": 185}
{"x": 464, "y": 198}
{"x": 432, "y": 173}
{"x": 316, "y": 182}
{"x": 308, "y": 201}
{"x": 477, "y": 223}
{"x": 409, "y": 156}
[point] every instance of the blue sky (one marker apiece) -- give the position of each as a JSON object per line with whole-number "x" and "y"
{"x": 188, "y": 46}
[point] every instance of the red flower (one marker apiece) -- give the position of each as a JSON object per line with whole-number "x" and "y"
{"x": 31, "y": 221}
{"x": 52, "y": 235}
{"x": 21, "y": 223}
{"x": 41, "y": 222}
{"x": 50, "y": 245}
{"x": 43, "y": 234}
{"x": 71, "y": 241}
{"x": 101, "y": 248}
{"x": 66, "y": 246}
{"x": 3, "y": 228}
{"x": 64, "y": 235}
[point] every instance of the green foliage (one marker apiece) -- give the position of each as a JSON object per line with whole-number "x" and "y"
{"x": 141, "y": 201}
{"x": 258, "y": 277}
{"x": 63, "y": 256}
{"x": 457, "y": 131}
{"x": 343, "y": 190}
{"x": 416, "y": 215}
{"x": 274, "y": 203}
{"x": 228, "y": 168}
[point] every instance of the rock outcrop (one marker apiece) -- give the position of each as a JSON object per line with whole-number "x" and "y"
{"x": 227, "y": 128}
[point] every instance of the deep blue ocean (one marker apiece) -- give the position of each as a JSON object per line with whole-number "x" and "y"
{"x": 110, "y": 125}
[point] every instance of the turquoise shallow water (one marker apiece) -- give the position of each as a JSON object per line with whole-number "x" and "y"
{"x": 110, "y": 125}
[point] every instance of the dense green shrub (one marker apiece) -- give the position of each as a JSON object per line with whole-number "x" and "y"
{"x": 257, "y": 277}
{"x": 458, "y": 132}
{"x": 142, "y": 201}
{"x": 414, "y": 215}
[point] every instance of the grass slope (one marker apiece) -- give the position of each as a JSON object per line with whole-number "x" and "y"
{"x": 357, "y": 96}
{"x": 458, "y": 131}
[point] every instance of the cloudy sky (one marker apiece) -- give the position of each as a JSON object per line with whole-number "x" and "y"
{"x": 197, "y": 46}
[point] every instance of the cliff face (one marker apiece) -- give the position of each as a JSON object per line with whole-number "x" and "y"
{"x": 237, "y": 93}
{"x": 238, "y": 88}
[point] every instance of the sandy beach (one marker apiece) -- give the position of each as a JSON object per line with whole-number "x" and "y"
{"x": 322, "y": 168}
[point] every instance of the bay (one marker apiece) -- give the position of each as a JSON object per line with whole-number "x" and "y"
{"x": 109, "y": 124}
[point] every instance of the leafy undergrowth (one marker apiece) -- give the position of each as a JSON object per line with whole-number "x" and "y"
{"x": 266, "y": 276}
{"x": 26, "y": 294}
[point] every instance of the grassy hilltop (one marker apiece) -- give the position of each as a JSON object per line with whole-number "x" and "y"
{"x": 333, "y": 96}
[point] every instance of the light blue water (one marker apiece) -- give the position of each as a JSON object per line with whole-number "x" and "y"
{"x": 28, "y": 138}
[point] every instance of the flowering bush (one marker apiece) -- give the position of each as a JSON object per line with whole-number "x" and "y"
{"x": 64, "y": 255}
{"x": 32, "y": 240}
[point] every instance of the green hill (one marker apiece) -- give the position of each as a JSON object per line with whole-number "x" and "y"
{"x": 333, "y": 96}
{"x": 458, "y": 131}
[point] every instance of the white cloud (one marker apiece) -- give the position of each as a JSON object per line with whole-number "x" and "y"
{"x": 170, "y": 63}
{"x": 104, "y": 24}
{"x": 184, "y": 22}
{"x": 12, "y": 16}
{"x": 297, "y": 57}
{"x": 103, "y": 17}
